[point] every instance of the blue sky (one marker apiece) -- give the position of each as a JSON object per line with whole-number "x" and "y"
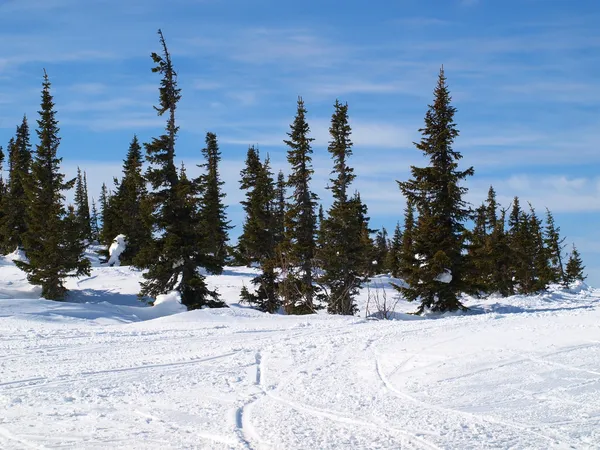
{"x": 523, "y": 74}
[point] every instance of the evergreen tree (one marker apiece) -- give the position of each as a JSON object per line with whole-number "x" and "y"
{"x": 555, "y": 245}
{"x": 109, "y": 217}
{"x": 300, "y": 220}
{"x": 131, "y": 207}
{"x": 479, "y": 269}
{"x": 213, "y": 217}
{"x": 176, "y": 253}
{"x": 82, "y": 211}
{"x": 408, "y": 261}
{"x": 501, "y": 256}
{"x": 279, "y": 208}
{"x": 575, "y": 268}
{"x": 94, "y": 224}
{"x": 395, "y": 251}
{"x": 14, "y": 205}
{"x": 54, "y": 251}
{"x": 258, "y": 239}
{"x": 438, "y": 237}
{"x": 381, "y": 251}
{"x": 342, "y": 252}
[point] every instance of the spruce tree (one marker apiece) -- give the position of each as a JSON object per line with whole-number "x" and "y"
{"x": 94, "y": 223}
{"x": 213, "y": 217}
{"x": 574, "y": 269}
{"x": 380, "y": 252}
{"x": 341, "y": 251}
{"x": 82, "y": 211}
{"x": 51, "y": 241}
{"x": 407, "y": 258}
{"x": 130, "y": 203}
{"x": 176, "y": 253}
{"x": 394, "y": 253}
{"x": 300, "y": 219}
{"x": 258, "y": 239}
{"x": 279, "y": 208}
{"x": 478, "y": 268}
{"x": 555, "y": 245}
{"x": 438, "y": 237}
{"x": 501, "y": 256}
{"x": 109, "y": 217}
{"x": 14, "y": 208}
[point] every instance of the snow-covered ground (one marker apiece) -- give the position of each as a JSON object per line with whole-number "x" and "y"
{"x": 105, "y": 371}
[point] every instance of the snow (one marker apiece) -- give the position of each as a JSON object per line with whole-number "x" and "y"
{"x": 445, "y": 277}
{"x": 115, "y": 250}
{"x": 106, "y": 371}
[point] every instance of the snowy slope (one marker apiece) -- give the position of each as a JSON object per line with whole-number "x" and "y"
{"x": 108, "y": 372}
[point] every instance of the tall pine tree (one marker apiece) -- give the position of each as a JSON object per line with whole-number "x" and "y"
{"x": 14, "y": 208}
{"x": 300, "y": 220}
{"x": 54, "y": 250}
{"x": 575, "y": 268}
{"x": 213, "y": 217}
{"x": 341, "y": 254}
{"x": 555, "y": 245}
{"x": 82, "y": 211}
{"x": 176, "y": 254}
{"x": 438, "y": 237}
{"x": 131, "y": 206}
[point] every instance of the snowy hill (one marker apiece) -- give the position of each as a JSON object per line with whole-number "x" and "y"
{"x": 106, "y": 371}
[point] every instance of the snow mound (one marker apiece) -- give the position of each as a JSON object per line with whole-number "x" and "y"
{"x": 116, "y": 249}
{"x": 168, "y": 304}
{"x": 17, "y": 255}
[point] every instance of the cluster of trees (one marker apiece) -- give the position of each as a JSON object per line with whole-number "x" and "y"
{"x": 308, "y": 258}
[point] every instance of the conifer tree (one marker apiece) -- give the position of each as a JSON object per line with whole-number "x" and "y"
{"x": 14, "y": 208}
{"x": 408, "y": 261}
{"x": 176, "y": 253}
{"x": 53, "y": 250}
{"x": 300, "y": 219}
{"x": 213, "y": 216}
{"x": 575, "y": 268}
{"x": 394, "y": 253}
{"x": 380, "y": 252}
{"x": 555, "y": 245}
{"x": 438, "y": 237}
{"x": 501, "y": 256}
{"x": 108, "y": 215}
{"x": 82, "y": 211}
{"x": 131, "y": 207}
{"x": 94, "y": 224}
{"x": 341, "y": 252}
{"x": 258, "y": 239}
{"x": 479, "y": 269}
{"x": 279, "y": 208}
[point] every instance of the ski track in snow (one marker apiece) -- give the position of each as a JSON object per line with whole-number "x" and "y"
{"x": 100, "y": 375}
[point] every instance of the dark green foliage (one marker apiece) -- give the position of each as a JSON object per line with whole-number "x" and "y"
{"x": 500, "y": 253}
{"x": 530, "y": 266}
{"x": 109, "y": 217}
{"x": 380, "y": 252}
{"x": 176, "y": 253}
{"x": 342, "y": 252}
{"x": 82, "y": 211}
{"x": 279, "y": 208}
{"x": 555, "y": 246}
{"x": 298, "y": 250}
{"x": 213, "y": 217}
{"x": 132, "y": 211}
{"x": 258, "y": 241}
{"x": 407, "y": 261}
{"x": 575, "y": 268}
{"x": 14, "y": 203}
{"x": 94, "y": 223}
{"x": 52, "y": 240}
{"x": 393, "y": 262}
{"x": 479, "y": 261}
{"x": 438, "y": 236}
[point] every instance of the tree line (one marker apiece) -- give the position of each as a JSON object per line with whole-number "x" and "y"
{"x": 308, "y": 258}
